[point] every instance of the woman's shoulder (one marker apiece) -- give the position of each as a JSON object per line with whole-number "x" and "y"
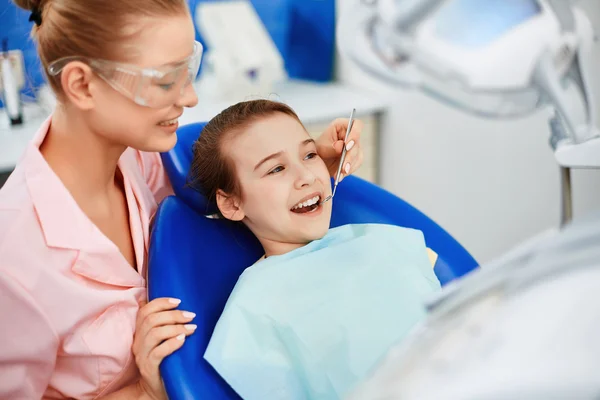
{"x": 14, "y": 190}
{"x": 15, "y": 204}
{"x": 23, "y": 248}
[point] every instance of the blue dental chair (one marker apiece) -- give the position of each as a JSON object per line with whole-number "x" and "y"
{"x": 199, "y": 260}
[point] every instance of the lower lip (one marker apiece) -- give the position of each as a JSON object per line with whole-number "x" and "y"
{"x": 314, "y": 213}
{"x": 169, "y": 128}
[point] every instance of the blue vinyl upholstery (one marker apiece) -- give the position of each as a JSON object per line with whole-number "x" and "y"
{"x": 199, "y": 260}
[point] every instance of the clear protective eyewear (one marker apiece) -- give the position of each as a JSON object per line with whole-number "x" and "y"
{"x": 151, "y": 87}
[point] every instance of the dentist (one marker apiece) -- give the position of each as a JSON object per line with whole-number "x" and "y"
{"x": 74, "y": 215}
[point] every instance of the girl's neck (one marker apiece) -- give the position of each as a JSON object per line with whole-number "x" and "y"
{"x": 272, "y": 248}
{"x": 85, "y": 162}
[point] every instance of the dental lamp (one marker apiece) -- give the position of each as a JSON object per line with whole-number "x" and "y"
{"x": 492, "y": 58}
{"x": 527, "y": 325}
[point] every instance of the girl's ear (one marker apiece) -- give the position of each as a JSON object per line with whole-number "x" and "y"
{"x": 230, "y": 206}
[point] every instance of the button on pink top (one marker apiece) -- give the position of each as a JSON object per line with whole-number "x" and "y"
{"x": 68, "y": 298}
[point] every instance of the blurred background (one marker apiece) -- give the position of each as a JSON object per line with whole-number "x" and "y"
{"x": 491, "y": 184}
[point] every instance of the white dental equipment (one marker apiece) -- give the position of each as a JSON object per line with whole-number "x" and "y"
{"x": 493, "y": 58}
{"x": 527, "y": 325}
{"x": 11, "y": 82}
{"x": 342, "y": 158}
{"x": 241, "y": 58}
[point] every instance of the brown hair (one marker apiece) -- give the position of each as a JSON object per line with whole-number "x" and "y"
{"x": 211, "y": 169}
{"x": 90, "y": 28}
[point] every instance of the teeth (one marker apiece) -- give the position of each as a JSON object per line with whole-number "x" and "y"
{"x": 307, "y": 203}
{"x": 169, "y": 122}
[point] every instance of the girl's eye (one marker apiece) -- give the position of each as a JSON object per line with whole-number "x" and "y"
{"x": 276, "y": 170}
{"x": 310, "y": 156}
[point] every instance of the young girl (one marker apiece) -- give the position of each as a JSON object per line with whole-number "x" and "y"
{"x": 74, "y": 214}
{"x": 317, "y": 312}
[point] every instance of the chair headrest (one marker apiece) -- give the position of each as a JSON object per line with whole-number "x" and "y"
{"x": 177, "y": 163}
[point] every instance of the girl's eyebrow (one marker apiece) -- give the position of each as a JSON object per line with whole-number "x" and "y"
{"x": 279, "y": 153}
{"x": 267, "y": 158}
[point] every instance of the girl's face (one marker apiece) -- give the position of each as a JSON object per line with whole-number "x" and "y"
{"x": 282, "y": 181}
{"x": 161, "y": 41}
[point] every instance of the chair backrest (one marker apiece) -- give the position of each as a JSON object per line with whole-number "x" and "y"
{"x": 199, "y": 260}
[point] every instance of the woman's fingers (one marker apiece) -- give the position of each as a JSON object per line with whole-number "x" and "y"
{"x": 341, "y": 127}
{"x": 163, "y": 318}
{"x": 353, "y": 160}
{"x": 157, "y": 313}
{"x": 149, "y": 362}
{"x": 160, "y": 330}
{"x": 156, "y": 305}
{"x": 159, "y": 334}
{"x": 166, "y": 348}
{"x": 354, "y": 135}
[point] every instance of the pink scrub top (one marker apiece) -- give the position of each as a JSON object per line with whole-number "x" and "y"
{"x": 68, "y": 297}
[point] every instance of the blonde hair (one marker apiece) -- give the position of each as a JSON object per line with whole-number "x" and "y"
{"x": 89, "y": 28}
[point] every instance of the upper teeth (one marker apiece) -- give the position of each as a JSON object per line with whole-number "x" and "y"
{"x": 307, "y": 203}
{"x": 169, "y": 122}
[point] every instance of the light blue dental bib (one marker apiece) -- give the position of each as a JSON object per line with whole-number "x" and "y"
{"x": 310, "y": 324}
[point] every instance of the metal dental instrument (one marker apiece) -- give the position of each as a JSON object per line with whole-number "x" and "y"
{"x": 344, "y": 151}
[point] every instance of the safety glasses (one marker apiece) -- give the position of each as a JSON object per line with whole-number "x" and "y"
{"x": 151, "y": 87}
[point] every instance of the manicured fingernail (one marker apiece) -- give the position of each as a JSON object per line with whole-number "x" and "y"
{"x": 350, "y": 145}
{"x": 347, "y": 168}
{"x": 188, "y": 314}
{"x": 191, "y": 327}
{"x": 174, "y": 301}
{"x": 181, "y": 336}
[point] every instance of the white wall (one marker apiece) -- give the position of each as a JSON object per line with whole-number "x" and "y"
{"x": 491, "y": 184}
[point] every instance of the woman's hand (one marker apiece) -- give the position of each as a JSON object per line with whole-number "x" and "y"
{"x": 331, "y": 143}
{"x": 160, "y": 330}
